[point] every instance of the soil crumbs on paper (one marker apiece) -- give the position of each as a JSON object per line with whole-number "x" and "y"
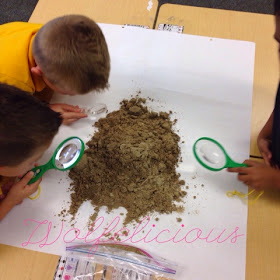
{"x": 130, "y": 162}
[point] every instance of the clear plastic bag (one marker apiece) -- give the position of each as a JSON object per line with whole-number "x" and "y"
{"x": 112, "y": 262}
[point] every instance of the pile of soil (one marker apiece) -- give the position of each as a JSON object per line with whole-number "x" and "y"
{"x": 130, "y": 163}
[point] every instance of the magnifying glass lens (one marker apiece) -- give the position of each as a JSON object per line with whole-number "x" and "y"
{"x": 68, "y": 153}
{"x": 210, "y": 154}
{"x": 96, "y": 111}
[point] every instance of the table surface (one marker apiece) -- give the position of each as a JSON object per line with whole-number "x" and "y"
{"x": 103, "y": 11}
{"x": 263, "y": 250}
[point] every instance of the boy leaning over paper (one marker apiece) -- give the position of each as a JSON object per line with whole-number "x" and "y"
{"x": 68, "y": 54}
{"x": 27, "y": 128}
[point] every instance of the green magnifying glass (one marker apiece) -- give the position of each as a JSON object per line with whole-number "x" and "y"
{"x": 66, "y": 156}
{"x": 212, "y": 155}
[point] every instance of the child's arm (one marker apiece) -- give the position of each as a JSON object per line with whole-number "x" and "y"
{"x": 258, "y": 175}
{"x": 69, "y": 113}
{"x": 17, "y": 193}
{"x": 264, "y": 140}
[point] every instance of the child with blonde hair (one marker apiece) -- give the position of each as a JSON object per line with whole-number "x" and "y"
{"x": 69, "y": 55}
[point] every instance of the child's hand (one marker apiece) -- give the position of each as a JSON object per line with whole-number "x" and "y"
{"x": 69, "y": 113}
{"x": 263, "y": 145}
{"x": 258, "y": 175}
{"x": 21, "y": 190}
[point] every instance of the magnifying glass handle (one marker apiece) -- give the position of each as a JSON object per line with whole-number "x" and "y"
{"x": 39, "y": 171}
{"x": 233, "y": 164}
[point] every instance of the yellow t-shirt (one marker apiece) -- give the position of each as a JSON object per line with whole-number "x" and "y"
{"x": 16, "y": 58}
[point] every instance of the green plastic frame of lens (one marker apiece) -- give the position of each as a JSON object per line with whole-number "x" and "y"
{"x": 226, "y": 161}
{"x": 54, "y": 161}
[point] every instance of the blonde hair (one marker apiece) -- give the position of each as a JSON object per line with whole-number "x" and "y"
{"x": 73, "y": 54}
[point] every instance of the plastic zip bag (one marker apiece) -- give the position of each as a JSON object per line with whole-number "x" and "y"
{"x": 111, "y": 262}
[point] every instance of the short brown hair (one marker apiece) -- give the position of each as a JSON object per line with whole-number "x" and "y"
{"x": 72, "y": 53}
{"x": 26, "y": 124}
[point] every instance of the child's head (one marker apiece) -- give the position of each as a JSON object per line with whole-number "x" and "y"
{"x": 72, "y": 55}
{"x": 27, "y": 127}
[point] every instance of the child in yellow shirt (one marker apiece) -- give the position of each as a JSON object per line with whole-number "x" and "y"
{"x": 69, "y": 55}
{"x": 27, "y": 127}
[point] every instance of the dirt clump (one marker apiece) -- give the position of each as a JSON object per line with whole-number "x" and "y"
{"x": 130, "y": 162}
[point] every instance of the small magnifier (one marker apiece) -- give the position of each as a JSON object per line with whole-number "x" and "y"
{"x": 67, "y": 155}
{"x": 211, "y": 154}
{"x": 96, "y": 111}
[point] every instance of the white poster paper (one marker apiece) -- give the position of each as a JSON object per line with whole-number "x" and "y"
{"x": 207, "y": 83}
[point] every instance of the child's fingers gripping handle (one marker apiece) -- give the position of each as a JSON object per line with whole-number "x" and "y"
{"x": 30, "y": 189}
{"x": 33, "y": 187}
{"x": 27, "y": 178}
{"x": 38, "y": 173}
